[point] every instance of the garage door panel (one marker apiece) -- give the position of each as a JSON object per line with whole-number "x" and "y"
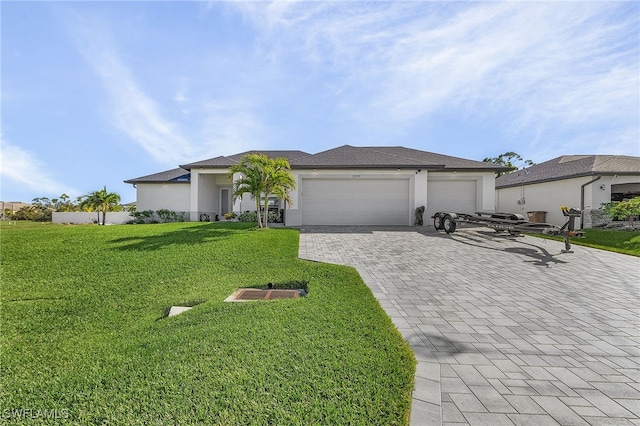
{"x": 355, "y": 201}
{"x": 451, "y": 195}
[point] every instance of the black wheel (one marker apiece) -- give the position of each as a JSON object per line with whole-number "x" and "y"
{"x": 448, "y": 224}
{"x": 437, "y": 222}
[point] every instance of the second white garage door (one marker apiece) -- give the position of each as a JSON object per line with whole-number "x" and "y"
{"x": 458, "y": 196}
{"x": 355, "y": 202}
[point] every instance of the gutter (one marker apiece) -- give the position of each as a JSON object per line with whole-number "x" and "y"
{"x": 582, "y": 199}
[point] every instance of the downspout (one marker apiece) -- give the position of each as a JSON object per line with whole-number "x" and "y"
{"x": 582, "y": 199}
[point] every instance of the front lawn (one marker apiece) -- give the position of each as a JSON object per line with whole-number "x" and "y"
{"x": 627, "y": 242}
{"x": 84, "y": 332}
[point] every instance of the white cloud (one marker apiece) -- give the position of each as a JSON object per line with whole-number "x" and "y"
{"x": 227, "y": 125}
{"x": 199, "y": 132}
{"x": 546, "y": 67}
{"x": 23, "y": 168}
{"x": 134, "y": 112}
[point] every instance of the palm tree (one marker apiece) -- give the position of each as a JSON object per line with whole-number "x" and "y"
{"x": 251, "y": 178}
{"x": 90, "y": 203}
{"x": 262, "y": 176}
{"x": 101, "y": 201}
{"x": 278, "y": 181}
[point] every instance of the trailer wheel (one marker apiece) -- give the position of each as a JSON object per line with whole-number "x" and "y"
{"x": 448, "y": 224}
{"x": 437, "y": 222}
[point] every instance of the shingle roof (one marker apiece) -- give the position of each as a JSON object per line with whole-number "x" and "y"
{"x": 210, "y": 163}
{"x": 291, "y": 155}
{"x": 178, "y": 175}
{"x": 571, "y": 166}
{"x": 348, "y": 156}
{"x": 229, "y": 161}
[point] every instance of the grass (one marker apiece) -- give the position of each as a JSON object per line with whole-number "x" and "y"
{"x": 627, "y": 242}
{"x": 84, "y": 332}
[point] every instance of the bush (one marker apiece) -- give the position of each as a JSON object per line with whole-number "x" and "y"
{"x": 623, "y": 210}
{"x": 230, "y": 215}
{"x": 170, "y": 216}
{"x": 144, "y": 216}
{"x": 253, "y": 217}
{"x": 273, "y": 217}
{"x": 248, "y": 217}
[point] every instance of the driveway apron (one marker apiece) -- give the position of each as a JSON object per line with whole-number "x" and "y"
{"x": 506, "y": 330}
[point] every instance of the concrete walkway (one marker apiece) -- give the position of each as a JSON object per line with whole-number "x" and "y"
{"x": 506, "y": 331}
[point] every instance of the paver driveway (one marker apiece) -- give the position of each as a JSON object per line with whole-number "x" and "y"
{"x": 505, "y": 330}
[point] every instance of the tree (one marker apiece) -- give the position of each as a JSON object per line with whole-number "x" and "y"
{"x": 101, "y": 201}
{"x": 64, "y": 204}
{"x": 262, "y": 176}
{"x": 251, "y": 179}
{"x": 624, "y": 210}
{"x": 278, "y": 181}
{"x": 509, "y": 159}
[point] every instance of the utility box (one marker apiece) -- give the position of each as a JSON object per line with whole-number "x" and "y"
{"x": 537, "y": 217}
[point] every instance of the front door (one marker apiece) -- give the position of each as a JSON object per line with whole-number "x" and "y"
{"x": 225, "y": 201}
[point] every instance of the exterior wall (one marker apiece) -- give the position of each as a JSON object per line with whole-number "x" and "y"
{"x": 170, "y": 196}
{"x": 550, "y": 196}
{"x": 205, "y": 184}
{"x": 201, "y": 195}
{"x": 113, "y": 218}
{"x": 547, "y": 197}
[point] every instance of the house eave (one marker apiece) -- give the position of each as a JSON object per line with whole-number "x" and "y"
{"x": 364, "y": 167}
{"x": 559, "y": 178}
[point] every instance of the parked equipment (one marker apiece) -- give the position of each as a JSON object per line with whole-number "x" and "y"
{"x": 512, "y": 223}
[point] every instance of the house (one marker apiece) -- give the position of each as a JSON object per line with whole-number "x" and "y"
{"x": 584, "y": 181}
{"x": 346, "y": 185}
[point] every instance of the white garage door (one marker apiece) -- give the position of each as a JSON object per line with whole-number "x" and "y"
{"x": 355, "y": 201}
{"x": 457, "y": 196}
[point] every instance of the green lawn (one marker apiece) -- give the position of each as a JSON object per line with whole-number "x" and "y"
{"x": 627, "y": 242}
{"x": 83, "y": 330}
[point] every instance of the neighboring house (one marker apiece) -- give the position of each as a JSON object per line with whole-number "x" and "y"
{"x": 581, "y": 181}
{"x": 342, "y": 186}
{"x": 10, "y": 207}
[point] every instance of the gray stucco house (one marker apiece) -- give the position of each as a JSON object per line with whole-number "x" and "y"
{"x": 346, "y": 185}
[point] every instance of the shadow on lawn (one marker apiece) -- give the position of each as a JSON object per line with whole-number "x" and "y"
{"x": 188, "y": 235}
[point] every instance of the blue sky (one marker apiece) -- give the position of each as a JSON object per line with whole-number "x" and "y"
{"x": 94, "y": 93}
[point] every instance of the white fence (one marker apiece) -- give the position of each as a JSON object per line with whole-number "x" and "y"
{"x": 113, "y": 218}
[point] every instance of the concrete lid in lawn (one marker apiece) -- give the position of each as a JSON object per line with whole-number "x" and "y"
{"x": 249, "y": 294}
{"x": 175, "y": 310}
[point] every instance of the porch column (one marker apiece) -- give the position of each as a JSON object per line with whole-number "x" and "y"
{"x": 194, "y": 209}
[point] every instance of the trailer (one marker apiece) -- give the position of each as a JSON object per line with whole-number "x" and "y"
{"x": 513, "y": 223}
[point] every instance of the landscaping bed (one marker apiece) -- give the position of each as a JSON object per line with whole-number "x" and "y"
{"x": 85, "y": 332}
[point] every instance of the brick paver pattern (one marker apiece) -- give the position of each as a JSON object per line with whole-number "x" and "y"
{"x": 506, "y": 330}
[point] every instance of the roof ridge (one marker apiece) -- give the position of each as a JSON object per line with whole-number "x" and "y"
{"x": 392, "y": 154}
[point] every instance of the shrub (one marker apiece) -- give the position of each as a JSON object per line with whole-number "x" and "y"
{"x": 169, "y": 216}
{"x": 230, "y": 215}
{"x": 623, "y": 210}
{"x": 253, "y": 217}
{"x": 273, "y": 217}
{"x": 144, "y": 216}
{"x": 248, "y": 217}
